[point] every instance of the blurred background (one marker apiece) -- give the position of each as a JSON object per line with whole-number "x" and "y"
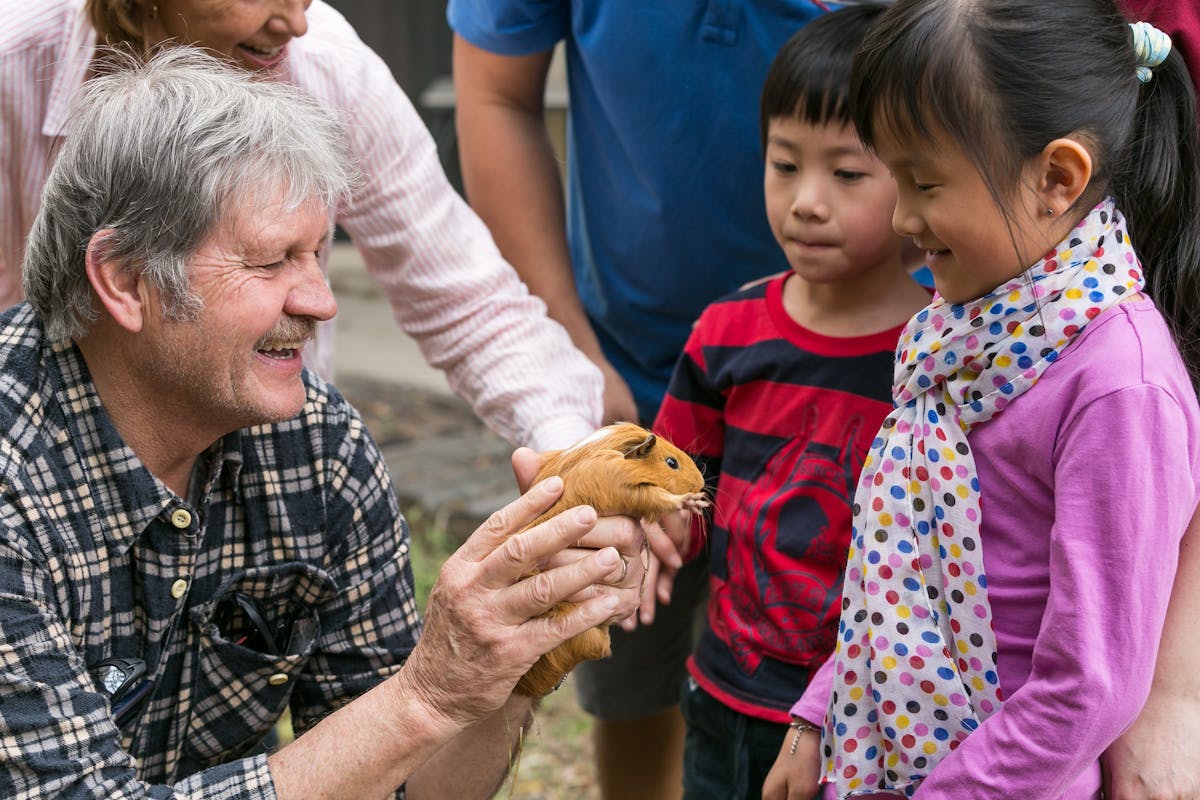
{"x": 413, "y": 38}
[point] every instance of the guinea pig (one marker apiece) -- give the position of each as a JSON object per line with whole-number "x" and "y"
{"x": 621, "y": 469}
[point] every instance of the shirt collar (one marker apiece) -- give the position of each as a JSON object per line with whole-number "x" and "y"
{"x": 127, "y": 497}
{"x": 76, "y": 50}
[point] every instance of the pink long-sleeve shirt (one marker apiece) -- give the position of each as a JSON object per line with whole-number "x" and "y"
{"x": 1088, "y": 481}
{"x": 434, "y": 259}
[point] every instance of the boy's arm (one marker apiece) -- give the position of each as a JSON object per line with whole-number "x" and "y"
{"x": 512, "y": 181}
{"x": 1158, "y": 757}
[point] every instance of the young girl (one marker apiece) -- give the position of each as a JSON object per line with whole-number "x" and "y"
{"x": 1017, "y": 524}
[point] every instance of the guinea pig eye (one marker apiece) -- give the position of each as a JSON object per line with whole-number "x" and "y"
{"x": 672, "y": 463}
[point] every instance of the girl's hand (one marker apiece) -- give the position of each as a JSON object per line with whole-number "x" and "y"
{"x": 1157, "y": 758}
{"x": 795, "y": 775}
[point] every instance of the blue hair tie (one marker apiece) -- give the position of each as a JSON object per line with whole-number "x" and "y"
{"x": 1151, "y": 47}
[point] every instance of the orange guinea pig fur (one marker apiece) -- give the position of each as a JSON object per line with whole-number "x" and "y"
{"x": 620, "y": 470}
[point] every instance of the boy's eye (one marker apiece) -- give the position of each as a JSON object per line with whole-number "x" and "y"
{"x": 849, "y": 174}
{"x": 785, "y": 167}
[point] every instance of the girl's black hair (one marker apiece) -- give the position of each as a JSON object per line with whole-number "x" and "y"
{"x": 809, "y": 78}
{"x": 1004, "y": 78}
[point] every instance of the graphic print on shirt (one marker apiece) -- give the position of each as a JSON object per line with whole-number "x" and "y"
{"x": 797, "y": 510}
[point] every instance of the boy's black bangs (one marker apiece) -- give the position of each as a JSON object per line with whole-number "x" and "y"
{"x": 823, "y": 105}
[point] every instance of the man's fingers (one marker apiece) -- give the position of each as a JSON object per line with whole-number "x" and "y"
{"x": 649, "y": 605}
{"x": 661, "y": 545}
{"x": 624, "y": 533}
{"x": 665, "y": 587}
{"x": 551, "y": 631}
{"x": 525, "y": 466}
{"x": 535, "y": 595}
{"x": 528, "y": 551}
{"x": 538, "y": 593}
{"x": 503, "y": 524}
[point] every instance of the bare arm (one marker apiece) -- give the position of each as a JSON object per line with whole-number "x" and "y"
{"x": 512, "y": 181}
{"x": 797, "y": 768}
{"x": 1157, "y": 756}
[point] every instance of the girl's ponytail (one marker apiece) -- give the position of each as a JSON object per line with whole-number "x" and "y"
{"x": 1157, "y": 186}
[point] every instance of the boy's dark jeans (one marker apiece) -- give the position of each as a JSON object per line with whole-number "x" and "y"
{"x": 726, "y": 755}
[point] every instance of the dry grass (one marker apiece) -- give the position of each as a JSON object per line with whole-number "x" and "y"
{"x": 556, "y": 761}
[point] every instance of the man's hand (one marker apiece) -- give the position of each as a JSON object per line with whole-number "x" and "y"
{"x": 1157, "y": 758}
{"x": 794, "y": 775}
{"x": 484, "y": 627}
{"x": 668, "y": 540}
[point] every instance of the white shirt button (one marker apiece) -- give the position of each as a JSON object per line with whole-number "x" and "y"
{"x": 179, "y": 588}
{"x": 181, "y": 518}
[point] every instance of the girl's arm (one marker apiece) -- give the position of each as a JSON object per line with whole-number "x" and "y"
{"x": 796, "y": 770}
{"x": 795, "y": 774}
{"x": 1123, "y": 494}
{"x": 1158, "y": 757}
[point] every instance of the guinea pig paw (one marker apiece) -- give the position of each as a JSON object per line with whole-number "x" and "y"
{"x": 696, "y": 501}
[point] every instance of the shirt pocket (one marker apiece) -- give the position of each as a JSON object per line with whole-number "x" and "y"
{"x": 238, "y": 691}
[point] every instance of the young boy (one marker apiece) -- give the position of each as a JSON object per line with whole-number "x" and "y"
{"x": 778, "y": 394}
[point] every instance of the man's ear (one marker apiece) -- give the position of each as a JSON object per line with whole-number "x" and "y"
{"x": 1066, "y": 171}
{"x": 118, "y": 288}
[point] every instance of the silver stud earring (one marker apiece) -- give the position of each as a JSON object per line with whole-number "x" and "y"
{"x": 1049, "y": 212}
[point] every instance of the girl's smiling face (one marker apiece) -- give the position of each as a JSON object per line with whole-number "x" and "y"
{"x": 971, "y": 246}
{"x": 251, "y": 33}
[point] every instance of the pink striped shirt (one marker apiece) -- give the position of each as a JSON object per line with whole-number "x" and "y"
{"x": 447, "y": 283}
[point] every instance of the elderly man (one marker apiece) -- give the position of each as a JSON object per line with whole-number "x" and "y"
{"x": 198, "y": 533}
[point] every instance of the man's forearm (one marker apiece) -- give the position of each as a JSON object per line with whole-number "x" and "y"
{"x": 475, "y": 763}
{"x": 365, "y": 749}
{"x": 512, "y": 178}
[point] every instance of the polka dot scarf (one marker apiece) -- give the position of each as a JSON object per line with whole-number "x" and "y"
{"x": 915, "y": 665}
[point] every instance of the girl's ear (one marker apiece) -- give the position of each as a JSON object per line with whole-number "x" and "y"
{"x": 118, "y": 289}
{"x": 1066, "y": 167}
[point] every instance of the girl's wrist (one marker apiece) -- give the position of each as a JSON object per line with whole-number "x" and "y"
{"x": 799, "y": 727}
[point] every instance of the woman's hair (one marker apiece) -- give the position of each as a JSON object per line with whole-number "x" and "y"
{"x": 809, "y": 76}
{"x": 1004, "y": 78}
{"x": 160, "y": 153}
{"x": 118, "y": 21}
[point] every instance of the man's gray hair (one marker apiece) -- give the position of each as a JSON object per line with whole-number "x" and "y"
{"x": 158, "y": 151}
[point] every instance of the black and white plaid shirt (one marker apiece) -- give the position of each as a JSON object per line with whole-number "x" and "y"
{"x": 99, "y": 559}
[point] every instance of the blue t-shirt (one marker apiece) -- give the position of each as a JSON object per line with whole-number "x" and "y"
{"x": 665, "y": 202}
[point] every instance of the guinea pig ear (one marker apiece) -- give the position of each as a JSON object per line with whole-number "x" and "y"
{"x": 642, "y": 449}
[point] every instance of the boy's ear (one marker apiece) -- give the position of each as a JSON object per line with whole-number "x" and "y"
{"x": 119, "y": 289}
{"x": 1066, "y": 171}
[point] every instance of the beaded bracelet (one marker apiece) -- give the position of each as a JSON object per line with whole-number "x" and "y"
{"x": 800, "y": 726}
